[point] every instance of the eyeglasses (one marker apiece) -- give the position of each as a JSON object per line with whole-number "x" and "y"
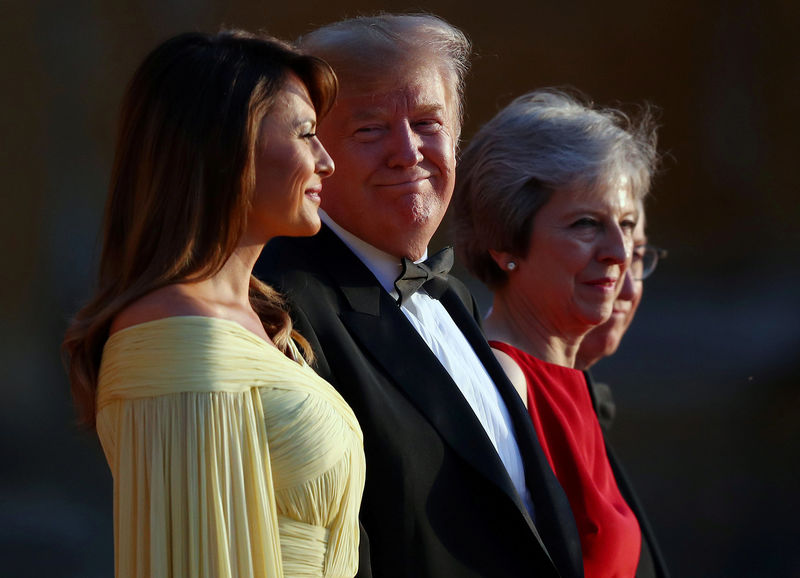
{"x": 645, "y": 259}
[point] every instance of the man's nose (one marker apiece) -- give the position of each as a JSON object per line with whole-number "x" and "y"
{"x": 404, "y": 146}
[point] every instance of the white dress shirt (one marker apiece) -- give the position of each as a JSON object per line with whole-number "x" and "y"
{"x": 433, "y": 323}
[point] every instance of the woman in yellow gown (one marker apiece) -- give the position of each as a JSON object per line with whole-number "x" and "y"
{"x": 230, "y": 456}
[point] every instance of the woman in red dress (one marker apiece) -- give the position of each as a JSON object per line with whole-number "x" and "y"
{"x": 547, "y": 199}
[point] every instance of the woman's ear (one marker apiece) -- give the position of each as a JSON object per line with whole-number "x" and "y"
{"x": 505, "y": 261}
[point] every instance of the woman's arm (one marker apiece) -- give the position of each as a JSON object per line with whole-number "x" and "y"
{"x": 514, "y": 374}
{"x": 193, "y": 493}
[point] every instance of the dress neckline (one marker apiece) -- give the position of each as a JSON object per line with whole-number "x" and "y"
{"x": 506, "y": 347}
{"x": 198, "y": 318}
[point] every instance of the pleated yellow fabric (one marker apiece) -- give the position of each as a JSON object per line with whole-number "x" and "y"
{"x": 229, "y": 459}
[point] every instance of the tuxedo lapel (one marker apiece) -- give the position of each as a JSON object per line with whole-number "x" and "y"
{"x": 554, "y": 517}
{"x": 455, "y": 307}
{"x": 382, "y": 329}
{"x": 402, "y": 353}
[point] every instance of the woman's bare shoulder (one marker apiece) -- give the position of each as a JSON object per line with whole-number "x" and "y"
{"x": 169, "y": 301}
{"x": 514, "y": 373}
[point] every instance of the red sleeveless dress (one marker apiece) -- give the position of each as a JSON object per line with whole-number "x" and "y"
{"x": 561, "y": 409}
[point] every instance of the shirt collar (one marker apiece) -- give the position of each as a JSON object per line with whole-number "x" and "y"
{"x": 384, "y": 266}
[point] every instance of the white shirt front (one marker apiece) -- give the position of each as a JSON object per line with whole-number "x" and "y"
{"x": 433, "y": 323}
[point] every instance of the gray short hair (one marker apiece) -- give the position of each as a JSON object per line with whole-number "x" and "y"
{"x": 544, "y": 141}
{"x": 369, "y": 49}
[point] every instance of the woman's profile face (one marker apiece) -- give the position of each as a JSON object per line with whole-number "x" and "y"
{"x": 580, "y": 246}
{"x": 604, "y": 339}
{"x": 290, "y": 164}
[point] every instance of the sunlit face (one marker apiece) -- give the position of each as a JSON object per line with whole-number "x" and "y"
{"x": 290, "y": 165}
{"x": 394, "y": 148}
{"x": 604, "y": 339}
{"x": 577, "y": 257}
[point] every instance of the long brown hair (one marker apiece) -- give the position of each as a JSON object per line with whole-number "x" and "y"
{"x": 182, "y": 181}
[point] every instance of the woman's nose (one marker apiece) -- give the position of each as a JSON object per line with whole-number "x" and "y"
{"x": 617, "y": 245}
{"x": 324, "y": 162}
{"x": 627, "y": 292}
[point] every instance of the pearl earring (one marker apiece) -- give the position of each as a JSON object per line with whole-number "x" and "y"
{"x": 511, "y": 265}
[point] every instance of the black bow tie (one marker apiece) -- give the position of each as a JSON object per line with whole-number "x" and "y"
{"x": 430, "y": 274}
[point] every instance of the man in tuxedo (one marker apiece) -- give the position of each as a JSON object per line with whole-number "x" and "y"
{"x": 457, "y": 484}
{"x": 603, "y": 341}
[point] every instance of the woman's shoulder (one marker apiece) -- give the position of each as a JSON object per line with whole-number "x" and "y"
{"x": 513, "y": 371}
{"x": 182, "y": 300}
{"x": 169, "y": 301}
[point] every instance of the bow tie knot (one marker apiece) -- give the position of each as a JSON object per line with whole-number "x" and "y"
{"x": 430, "y": 274}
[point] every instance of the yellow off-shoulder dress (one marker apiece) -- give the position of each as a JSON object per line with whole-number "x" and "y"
{"x": 229, "y": 459}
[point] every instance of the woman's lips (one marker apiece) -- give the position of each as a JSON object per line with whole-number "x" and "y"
{"x": 314, "y": 193}
{"x": 604, "y": 284}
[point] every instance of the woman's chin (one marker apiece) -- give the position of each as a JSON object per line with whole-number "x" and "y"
{"x": 595, "y": 317}
{"x": 310, "y": 228}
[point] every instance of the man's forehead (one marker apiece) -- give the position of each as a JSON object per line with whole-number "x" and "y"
{"x": 424, "y": 92}
{"x": 418, "y": 94}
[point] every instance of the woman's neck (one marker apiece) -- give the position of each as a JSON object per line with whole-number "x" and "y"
{"x": 226, "y": 294}
{"x": 231, "y": 284}
{"x": 519, "y": 326}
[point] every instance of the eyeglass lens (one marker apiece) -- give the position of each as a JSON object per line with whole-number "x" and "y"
{"x": 645, "y": 264}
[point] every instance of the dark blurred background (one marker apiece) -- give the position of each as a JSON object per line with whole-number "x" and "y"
{"x": 707, "y": 402}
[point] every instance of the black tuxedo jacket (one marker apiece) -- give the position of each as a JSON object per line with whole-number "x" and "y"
{"x": 438, "y": 501}
{"x": 651, "y": 562}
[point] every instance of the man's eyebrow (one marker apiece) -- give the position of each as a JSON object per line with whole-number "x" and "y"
{"x": 369, "y": 113}
{"x": 377, "y": 111}
{"x": 371, "y": 110}
{"x": 430, "y": 108}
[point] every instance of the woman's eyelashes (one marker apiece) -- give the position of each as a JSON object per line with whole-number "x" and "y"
{"x": 627, "y": 225}
{"x": 585, "y": 223}
{"x": 307, "y": 130}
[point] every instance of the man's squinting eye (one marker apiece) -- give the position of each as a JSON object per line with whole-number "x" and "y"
{"x": 367, "y": 132}
{"x": 428, "y": 126}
